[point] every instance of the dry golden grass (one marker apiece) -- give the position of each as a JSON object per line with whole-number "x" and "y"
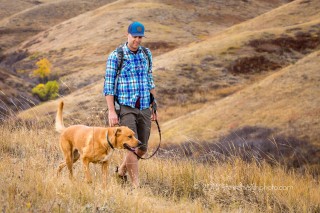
{"x": 30, "y": 156}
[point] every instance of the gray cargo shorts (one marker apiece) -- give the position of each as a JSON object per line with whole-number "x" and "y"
{"x": 138, "y": 121}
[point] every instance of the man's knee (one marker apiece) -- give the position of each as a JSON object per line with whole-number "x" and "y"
{"x": 138, "y": 154}
{"x": 141, "y": 152}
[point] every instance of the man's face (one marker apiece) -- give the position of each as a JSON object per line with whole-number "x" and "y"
{"x": 134, "y": 42}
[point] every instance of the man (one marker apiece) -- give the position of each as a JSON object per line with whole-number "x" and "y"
{"x": 133, "y": 91}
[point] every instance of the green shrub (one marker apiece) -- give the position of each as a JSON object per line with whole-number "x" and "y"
{"x": 47, "y": 91}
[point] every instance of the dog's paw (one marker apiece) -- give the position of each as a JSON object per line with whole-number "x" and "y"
{"x": 121, "y": 179}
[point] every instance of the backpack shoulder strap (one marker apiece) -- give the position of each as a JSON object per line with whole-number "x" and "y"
{"x": 145, "y": 52}
{"x": 120, "y": 62}
{"x": 120, "y": 59}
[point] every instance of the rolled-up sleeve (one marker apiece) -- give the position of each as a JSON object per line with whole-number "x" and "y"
{"x": 110, "y": 75}
{"x": 151, "y": 82}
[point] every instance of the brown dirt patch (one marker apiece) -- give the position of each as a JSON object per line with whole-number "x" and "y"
{"x": 160, "y": 47}
{"x": 272, "y": 54}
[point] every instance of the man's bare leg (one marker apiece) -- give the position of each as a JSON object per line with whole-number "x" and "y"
{"x": 130, "y": 165}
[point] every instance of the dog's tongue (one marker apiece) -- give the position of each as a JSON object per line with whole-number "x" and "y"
{"x": 128, "y": 147}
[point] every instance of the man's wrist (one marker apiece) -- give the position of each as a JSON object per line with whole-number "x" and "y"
{"x": 112, "y": 110}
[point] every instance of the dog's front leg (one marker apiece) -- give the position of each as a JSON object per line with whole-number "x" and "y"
{"x": 105, "y": 168}
{"x": 86, "y": 162}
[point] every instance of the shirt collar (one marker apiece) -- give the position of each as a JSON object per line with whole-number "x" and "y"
{"x": 129, "y": 51}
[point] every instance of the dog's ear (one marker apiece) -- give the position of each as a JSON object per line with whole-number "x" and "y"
{"x": 117, "y": 131}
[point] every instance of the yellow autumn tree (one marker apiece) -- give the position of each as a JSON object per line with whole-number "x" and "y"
{"x": 44, "y": 68}
{"x": 46, "y": 90}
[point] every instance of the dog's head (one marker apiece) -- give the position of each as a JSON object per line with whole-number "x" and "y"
{"x": 123, "y": 138}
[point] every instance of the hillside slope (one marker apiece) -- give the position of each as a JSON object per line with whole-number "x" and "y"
{"x": 34, "y": 17}
{"x": 286, "y": 101}
{"x": 19, "y": 21}
{"x": 240, "y": 54}
{"x": 79, "y": 46}
{"x": 9, "y": 7}
{"x": 82, "y": 44}
{"x": 224, "y": 63}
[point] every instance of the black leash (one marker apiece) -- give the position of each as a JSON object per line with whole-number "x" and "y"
{"x": 139, "y": 157}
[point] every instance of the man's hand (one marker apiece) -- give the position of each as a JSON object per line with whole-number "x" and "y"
{"x": 154, "y": 116}
{"x": 112, "y": 115}
{"x": 113, "y": 118}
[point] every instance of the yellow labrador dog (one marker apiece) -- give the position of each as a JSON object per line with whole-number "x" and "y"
{"x": 91, "y": 144}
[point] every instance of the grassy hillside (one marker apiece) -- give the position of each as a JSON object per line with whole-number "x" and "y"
{"x": 32, "y": 17}
{"x": 227, "y": 75}
{"x": 237, "y": 85}
{"x": 240, "y": 53}
{"x": 19, "y": 21}
{"x": 285, "y": 100}
{"x": 78, "y": 47}
{"x": 82, "y": 44}
{"x": 212, "y": 69}
{"x": 30, "y": 157}
{"x": 216, "y": 73}
{"x": 9, "y": 7}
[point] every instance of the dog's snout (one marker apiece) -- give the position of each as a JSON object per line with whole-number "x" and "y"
{"x": 140, "y": 143}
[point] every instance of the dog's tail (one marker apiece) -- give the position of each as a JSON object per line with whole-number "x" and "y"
{"x": 59, "y": 119}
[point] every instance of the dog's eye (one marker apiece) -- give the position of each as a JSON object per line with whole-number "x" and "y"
{"x": 130, "y": 136}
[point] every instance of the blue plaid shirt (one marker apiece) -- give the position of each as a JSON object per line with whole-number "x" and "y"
{"x": 135, "y": 80}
